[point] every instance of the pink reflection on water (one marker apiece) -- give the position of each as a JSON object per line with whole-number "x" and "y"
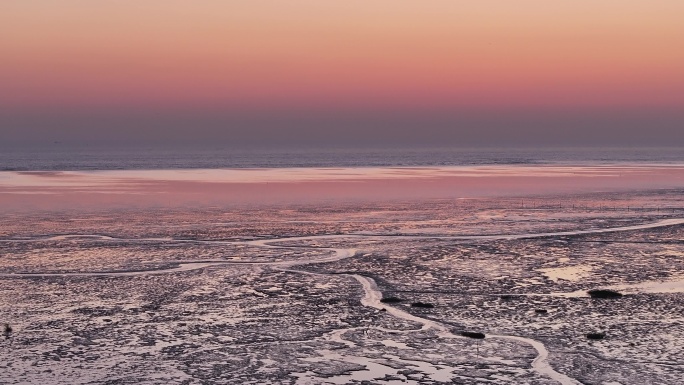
{"x": 168, "y": 188}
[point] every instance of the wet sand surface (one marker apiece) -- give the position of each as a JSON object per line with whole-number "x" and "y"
{"x": 292, "y": 294}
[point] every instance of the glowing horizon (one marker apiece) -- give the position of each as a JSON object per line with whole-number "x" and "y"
{"x": 309, "y": 57}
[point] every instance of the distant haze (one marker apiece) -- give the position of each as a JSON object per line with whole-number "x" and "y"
{"x": 342, "y": 73}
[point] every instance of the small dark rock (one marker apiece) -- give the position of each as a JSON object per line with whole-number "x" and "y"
{"x": 422, "y": 305}
{"x": 475, "y": 335}
{"x": 596, "y": 336}
{"x": 603, "y": 293}
{"x": 541, "y": 311}
{"x": 391, "y": 300}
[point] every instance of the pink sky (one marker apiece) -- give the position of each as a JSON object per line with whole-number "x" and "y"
{"x": 443, "y": 70}
{"x": 379, "y": 54}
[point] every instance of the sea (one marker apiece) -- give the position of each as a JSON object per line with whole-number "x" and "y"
{"x": 81, "y": 158}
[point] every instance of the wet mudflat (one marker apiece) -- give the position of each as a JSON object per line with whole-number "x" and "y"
{"x": 284, "y": 295}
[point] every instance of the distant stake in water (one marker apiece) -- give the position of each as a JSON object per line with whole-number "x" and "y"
{"x": 477, "y": 336}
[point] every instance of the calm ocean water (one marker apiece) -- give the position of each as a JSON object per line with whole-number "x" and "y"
{"x": 92, "y": 158}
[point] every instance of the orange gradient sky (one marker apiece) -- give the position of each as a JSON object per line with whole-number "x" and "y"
{"x": 310, "y": 55}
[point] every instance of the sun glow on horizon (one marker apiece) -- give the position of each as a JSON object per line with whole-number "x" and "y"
{"x": 269, "y": 54}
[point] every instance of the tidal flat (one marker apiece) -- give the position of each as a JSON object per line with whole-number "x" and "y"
{"x": 292, "y": 294}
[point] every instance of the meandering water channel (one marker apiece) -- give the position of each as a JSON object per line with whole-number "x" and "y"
{"x": 372, "y": 295}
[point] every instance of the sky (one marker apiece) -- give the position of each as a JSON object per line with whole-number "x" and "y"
{"x": 358, "y": 73}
